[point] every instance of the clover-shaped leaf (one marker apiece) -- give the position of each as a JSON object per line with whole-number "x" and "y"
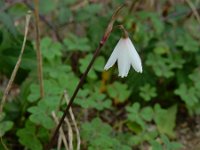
{"x": 159, "y": 65}
{"x": 118, "y": 91}
{"x": 98, "y": 65}
{"x": 27, "y": 136}
{"x": 50, "y": 49}
{"x": 187, "y": 94}
{"x": 96, "y": 132}
{"x": 147, "y": 92}
{"x": 147, "y": 113}
{"x": 75, "y": 43}
{"x": 51, "y": 87}
{"x": 188, "y": 43}
{"x": 40, "y": 115}
{"x": 93, "y": 99}
{"x": 138, "y": 115}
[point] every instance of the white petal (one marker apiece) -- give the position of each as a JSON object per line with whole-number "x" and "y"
{"x": 123, "y": 63}
{"x": 135, "y": 58}
{"x": 114, "y": 56}
{"x": 126, "y": 55}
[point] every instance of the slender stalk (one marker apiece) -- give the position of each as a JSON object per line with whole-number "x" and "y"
{"x": 74, "y": 123}
{"x": 70, "y": 133}
{"x": 13, "y": 75}
{"x": 96, "y": 53}
{"x": 196, "y": 14}
{"x": 38, "y": 51}
{"x": 49, "y": 24}
{"x": 73, "y": 96}
{"x": 62, "y": 134}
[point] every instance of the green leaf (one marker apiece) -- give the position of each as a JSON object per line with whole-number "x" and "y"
{"x": 75, "y": 43}
{"x": 165, "y": 119}
{"x": 161, "y": 48}
{"x": 40, "y": 115}
{"x": 187, "y": 43}
{"x": 156, "y": 146}
{"x": 147, "y": 113}
{"x": 35, "y": 95}
{"x": 157, "y": 23}
{"x": 138, "y": 118}
{"x": 134, "y": 127}
{"x": 188, "y": 95}
{"x": 64, "y": 14}
{"x": 28, "y": 138}
{"x": 50, "y": 50}
{"x": 176, "y": 61}
{"x": 144, "y": 136}
{"x": 5, "y": 126}
{"x": 7, "y": 21}
{"x": 147, "y": 92}
{"x": 89, "y": 11}
{"x": 196, "y": 80}
{"x": 68, "y": 81}
{"x": 134, "y": 115}
{"x": 51, "y": 88}
{"x": 83, "y": 65}
{"x": 18, "y": 10}
{"x": 93, "y": 99}
{"x": 118, "y": 91}
{"x": 96, "y": 132}
{"x": 58, "y": 71}
{"x": 170, "y": 145}
{"x": 68, "y": 2}
{"x": 98, "y": 65}
{"x": 47, "y": 6}
{"x": 2, "y": 116}
{"x": 160, "y": 65}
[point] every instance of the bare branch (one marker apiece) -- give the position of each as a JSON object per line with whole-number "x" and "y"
{"x": 13, "y": 75}
{"x": 38, "y": 51}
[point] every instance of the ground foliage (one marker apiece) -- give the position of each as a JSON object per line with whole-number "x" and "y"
{"x": 112, "y": 113}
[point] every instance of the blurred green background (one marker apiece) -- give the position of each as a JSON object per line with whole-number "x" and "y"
{"x": 155, "y": 110}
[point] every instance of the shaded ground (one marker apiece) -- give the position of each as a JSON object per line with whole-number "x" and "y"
{"x": 188, "y": 133}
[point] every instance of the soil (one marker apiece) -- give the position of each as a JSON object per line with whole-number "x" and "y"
{"x": 188, "y": 133}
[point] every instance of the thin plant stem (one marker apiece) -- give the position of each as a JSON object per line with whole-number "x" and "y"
{"x": 62, "y": 134}
{"x": 70, "y": 133}
{"x": 38, "y": 51}
{"x": 74, "y": 123}
{"x": 196, "y": 14}
{"x": 49, "y": 24}
{"x": 74, "y": 95}
{"x": 59, "y": 144}
{"x": 13, "y": 75}
{"x": 96, "y": 53}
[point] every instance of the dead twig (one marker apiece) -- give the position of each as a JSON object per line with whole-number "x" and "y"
{"x": 62, "y": 134}
{"x": 74, "y": 123}
{"x": 59, "y": 143}
{"x": 38, "y": 51}
{"x": 70, "y": 133}
{"x": 81, "y": 81}
{"x": 194, "y": 10}
{"x": 13, "y": 75}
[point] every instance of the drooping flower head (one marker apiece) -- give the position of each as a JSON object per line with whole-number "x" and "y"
{"x": 126, "y": 56}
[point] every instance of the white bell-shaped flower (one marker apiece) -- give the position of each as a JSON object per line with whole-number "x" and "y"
{"x": 126, "y": 55}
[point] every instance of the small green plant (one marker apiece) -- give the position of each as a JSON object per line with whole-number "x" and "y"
{"x": 118, "y": 114}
